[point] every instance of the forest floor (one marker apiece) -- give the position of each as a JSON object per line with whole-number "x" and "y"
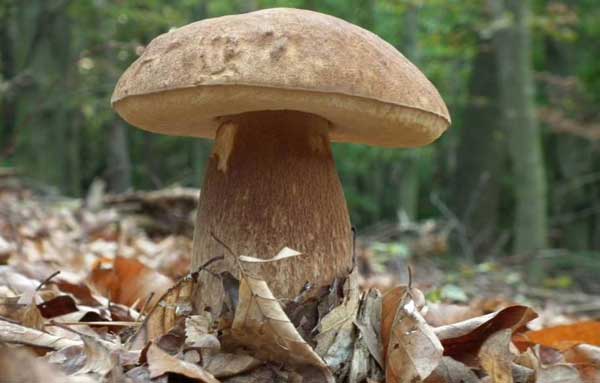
{"x": 116, "y": 256}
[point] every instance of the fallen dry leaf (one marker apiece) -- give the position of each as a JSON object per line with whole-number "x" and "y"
{"x": 495, "y": 356}
{"x": 18, "y": 283}
{"x": 19, "y": 365}
{"x": 284, "y": 253}
{"x": 173, "y": 305}
{"x": 558, "y": 373}
{"x": 412, "y": 351}
{"x": 586, "y": 358}
{"x": 78, "y": 289}
{"x": 522, "y": 374}
{"x": 367, "y": 356}
{"x": 160, "y": 363}
{"x": 263, "y": 374}
{"x": 141, "y": 374}
{"x": 198, "y": 332}
{"x": 441, "y": 314}
{"x": 582, "y": 354}
{"x": 336, "y": 329}
{"x": 101, "y": 357}
{"x": 463, "y": 339}
{"x": 223, "y": 365}
{"x": 32, "y": 317}
{"x": 60, "y": 305}
{"x": 390, "y": 303}
{"x": 452, "y": 371}
{"x": 528, "y": 359}
{"x": 368, "y": 322}
{"x": 359, "y": 365}
{"x": 125, "y": 281}
{"x": 562, "y": 337}
{"x": 70, "y": 359}
{"x": 14, "y": 333}
{"x": 261, "y": 325}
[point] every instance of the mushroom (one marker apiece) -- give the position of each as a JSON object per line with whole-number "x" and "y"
{"x": 273, "y": 88}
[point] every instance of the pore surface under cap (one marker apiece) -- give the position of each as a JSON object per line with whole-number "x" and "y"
{"x": 279, "y": 59}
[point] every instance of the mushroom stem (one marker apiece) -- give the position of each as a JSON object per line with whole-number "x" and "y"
{"x": 271, "y": 182}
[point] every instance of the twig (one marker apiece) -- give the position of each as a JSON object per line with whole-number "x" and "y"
{"x": 54, "y": 274}
{"x": 9, "y": 320}
{"x": 449, "y": 214}
{"x": 99, "y": 323}
{"x": 208, "y": 263}
{"x": 222, "y": 244}
{"x": 64, "y": 326}
{"x": 236, "y": 259}
{"x": 143, "y": 308}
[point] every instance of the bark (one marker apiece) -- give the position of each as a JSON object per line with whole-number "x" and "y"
{"x": 8, "y": 105}
{"x": 271, "y": 182}
{"x": 513, "y": 45}
{"x": 481, "y": 153}
{"x": 61, "y": 126}
{"x": 575, "y": 158}
{"x": 118, "y": 172}
{"x": 409, "y": 165}
{"x": 42, "y": 64}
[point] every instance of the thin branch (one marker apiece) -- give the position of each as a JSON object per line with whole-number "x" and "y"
{"x": 456, "y": 223}
{"x": 222, "y": 244}
{"x": 45, "y": 281}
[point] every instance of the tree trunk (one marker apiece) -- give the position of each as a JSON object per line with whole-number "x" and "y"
{"x": 409, "y": 165}
{"x": 8, "y": 105}
{"x": 118, "y": 173}
{"x": 513, "y": 46}
{"x": 480, "y": 155}
{"x": 575, "y": 154}
{"x": 44, "y": 56}
{"x": 271, "y": 182}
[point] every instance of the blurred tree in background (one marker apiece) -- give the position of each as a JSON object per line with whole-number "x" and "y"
{"x": 518, "y": 171}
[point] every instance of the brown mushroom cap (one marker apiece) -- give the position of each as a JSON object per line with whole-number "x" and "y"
{"x": 278, "y": 59}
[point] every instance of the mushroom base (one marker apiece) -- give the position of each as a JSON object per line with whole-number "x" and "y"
{"x": 271, "y": 182}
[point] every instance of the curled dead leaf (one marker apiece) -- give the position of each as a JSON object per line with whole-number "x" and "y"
{"x": 462, "y": 340}
{"x": 172, "y": 306}
{"x": 160, "y": 363}
{"x": 441, "y": 314}
{"x": 367, "y": 356}
{"x": 412, "y": 351}
{"x": 368, "y": 323}
{"x": 32, "y": 317}
{"x": 19, "y": 365}
{"x": 198, "y": 332}
{"x": 101, "y": 356}
{"x": 284, "y": 253}
{"x": 337, "y": 330}
{"x": 495, "y": 356}
{"x": 562, "y": 337}
{"x": 60, "y": 305}
{"x": 452, "y": 371}
{"x": 558, "y": 373}
{"x": 586, "y": 358}
{"x": 223, "y": 365}
{"x": 261, "y": 325}
{"x": 126, "y": 280}
{"x": 14, "y": 333}
{"x": 390, "y": 303}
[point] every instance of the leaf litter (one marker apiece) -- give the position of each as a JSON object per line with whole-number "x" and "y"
{"x": 90, "y": 294}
